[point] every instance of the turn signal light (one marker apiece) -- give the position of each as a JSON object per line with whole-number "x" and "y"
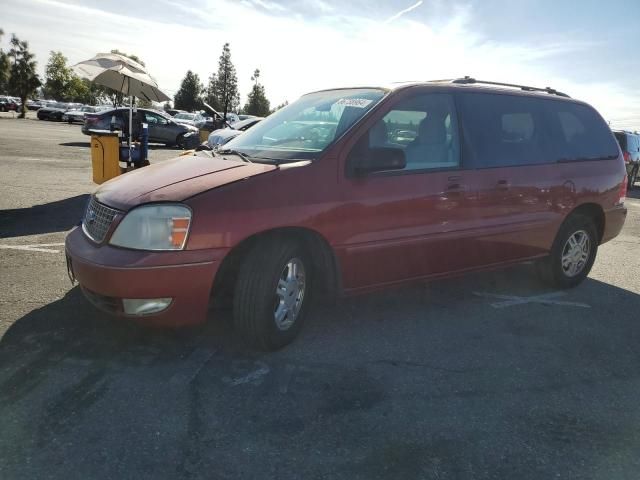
{"x": 179, "y": 230}
{"x": 623, "y": 191}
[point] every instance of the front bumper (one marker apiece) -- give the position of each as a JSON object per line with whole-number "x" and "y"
{"x": 108, "y": 274}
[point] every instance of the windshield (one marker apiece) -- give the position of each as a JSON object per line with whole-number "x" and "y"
{"x": 185, "y": 116}
{"x": 304, "y": 129}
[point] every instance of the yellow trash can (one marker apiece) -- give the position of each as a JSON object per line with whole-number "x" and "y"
{"x": 204, "y": 135}
{"x": 105, "y": 155}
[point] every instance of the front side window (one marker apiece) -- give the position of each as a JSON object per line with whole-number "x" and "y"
{"x": 305, "y": 128}
{"x": 153, "y": 119}
{"x": 423, "y": 126}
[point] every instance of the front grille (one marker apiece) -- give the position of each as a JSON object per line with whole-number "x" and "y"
{"x": 97, "y": 220}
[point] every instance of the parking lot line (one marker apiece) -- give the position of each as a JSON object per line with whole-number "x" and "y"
{"x": 545, "y": 299}
{"x": 39, "y": 247}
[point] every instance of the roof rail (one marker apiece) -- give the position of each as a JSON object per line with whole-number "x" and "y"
{"x": 470, "y": 80}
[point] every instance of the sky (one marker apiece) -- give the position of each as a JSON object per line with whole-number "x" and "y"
{"x": 587, "y": 49}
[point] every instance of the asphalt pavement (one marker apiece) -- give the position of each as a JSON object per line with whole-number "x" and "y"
{"x": 489, "y": 376}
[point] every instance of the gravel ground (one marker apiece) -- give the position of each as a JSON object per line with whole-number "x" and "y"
{"x": 431, "y": 381}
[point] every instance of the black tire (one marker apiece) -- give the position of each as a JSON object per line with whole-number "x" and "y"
{"x": 551, "y": 270}
{"x": 255, "y": 300}
{"x": 633, "y": 177}
{"x": 180, "y": 141}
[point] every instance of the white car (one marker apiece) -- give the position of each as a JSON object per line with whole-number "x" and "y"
{"x": 77, "y": 115}
{"x": 188, "y": 118}
{"x": 221, "y": 136}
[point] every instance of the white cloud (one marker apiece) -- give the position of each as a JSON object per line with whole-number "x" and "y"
{"x": 297, "y": 55}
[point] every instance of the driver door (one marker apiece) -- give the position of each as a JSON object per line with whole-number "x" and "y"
{"x": 414, "y": 222}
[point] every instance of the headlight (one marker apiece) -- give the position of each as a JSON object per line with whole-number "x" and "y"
{"x": 154, "y": 227}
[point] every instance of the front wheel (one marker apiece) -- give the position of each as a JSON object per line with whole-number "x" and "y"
{"x": 572, "y": 254}
{"x": 272, "y": 293}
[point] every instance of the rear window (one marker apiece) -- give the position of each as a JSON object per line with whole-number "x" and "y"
{"x": 622, "y": 139}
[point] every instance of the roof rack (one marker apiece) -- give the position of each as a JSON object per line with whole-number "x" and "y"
{"x": 470, "y": 80}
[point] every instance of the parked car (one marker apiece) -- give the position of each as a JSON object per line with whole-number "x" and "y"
{"x": 33, "y": 104}
{"x": 162, "y": 128}
{"x": 630, "y": 146}
{"x": 286, "y": 212}
{"x": 54, "y": 111}
{"x": 188, "y": 118}
{"x": 173, "y": 112}
{"x": 213, "y": 122}
{"x": 8, "y": 104}
{"x": 77, "y": 115}
{"x": 223, "y": 135}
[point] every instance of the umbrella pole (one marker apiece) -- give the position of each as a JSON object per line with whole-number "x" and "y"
{"x": 130, "y": 122}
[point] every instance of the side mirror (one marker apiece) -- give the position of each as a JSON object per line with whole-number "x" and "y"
{"x": 378, "y": 159}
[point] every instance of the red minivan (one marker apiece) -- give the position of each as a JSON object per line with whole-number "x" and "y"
{"x": 350, "y": 190}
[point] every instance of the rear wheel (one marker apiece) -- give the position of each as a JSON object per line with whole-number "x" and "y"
{"x": 272, "y": 293}
{"x": 572, "y": 255}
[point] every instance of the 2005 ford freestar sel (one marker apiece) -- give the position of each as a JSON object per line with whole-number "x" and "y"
{"x": 350, "y": 190}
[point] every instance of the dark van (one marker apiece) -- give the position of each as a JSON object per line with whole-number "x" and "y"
{"x": 352, "y": 190}
{"x": 630, "y": 146}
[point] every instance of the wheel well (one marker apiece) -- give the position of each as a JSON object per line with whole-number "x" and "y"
{"x": 323, "y": 258}
{"x": 595, "y": 212}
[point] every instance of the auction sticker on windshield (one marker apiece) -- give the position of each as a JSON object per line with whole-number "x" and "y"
{"x": 354, "y": 102}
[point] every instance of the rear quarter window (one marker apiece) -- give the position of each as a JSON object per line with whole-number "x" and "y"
{"x": 579, "y": 132}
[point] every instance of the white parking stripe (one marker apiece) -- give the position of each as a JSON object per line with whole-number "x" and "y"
{"x": 545, "y": 299}
{"x": 34, "y": 248}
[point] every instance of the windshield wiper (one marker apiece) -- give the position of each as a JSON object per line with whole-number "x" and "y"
{"x": 229, "y": 151}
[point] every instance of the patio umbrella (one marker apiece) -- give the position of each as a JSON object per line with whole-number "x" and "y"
{"x": 122, "y": 74}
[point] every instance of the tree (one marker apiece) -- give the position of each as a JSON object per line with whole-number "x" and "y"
{"x": 189, "y": 95}
{"x": 282, "y": 105}
{"x": 5, "y": 67}
{"x": 257, "y": 103}
{"x": 23, "y": 80}
{"x": 226, "y": 83}
{"x": 58, "y": 78}
{"x": 133, "y": 57}
{"x": 211, "y": 93}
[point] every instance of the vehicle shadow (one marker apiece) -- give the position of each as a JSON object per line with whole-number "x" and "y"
{"x": 152, "y": 146}
{"x": 75, "y": 144}
{"x": 57, "y": 216}
{"x": 436, "y": 371}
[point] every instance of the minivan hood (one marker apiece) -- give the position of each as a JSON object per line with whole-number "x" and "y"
{"x": 175, "y": 180}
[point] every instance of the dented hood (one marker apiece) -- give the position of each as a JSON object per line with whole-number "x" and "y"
{"x": 175, "y": 180}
